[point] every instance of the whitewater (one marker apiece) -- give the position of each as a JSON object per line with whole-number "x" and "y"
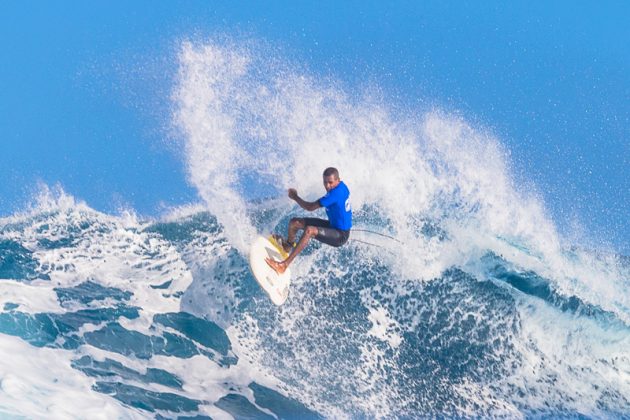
{"x": 476, "y": 306}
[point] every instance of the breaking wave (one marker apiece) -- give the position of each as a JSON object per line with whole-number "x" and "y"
{"x": 477, "y": 307}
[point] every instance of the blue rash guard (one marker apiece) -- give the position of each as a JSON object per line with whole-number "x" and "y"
{"x": 338, "y": 207}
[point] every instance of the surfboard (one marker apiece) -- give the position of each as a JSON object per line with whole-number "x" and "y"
{"x": 276, "y": 285}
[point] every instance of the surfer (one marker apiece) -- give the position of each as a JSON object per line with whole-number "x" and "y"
{"x": 334, "y": 232}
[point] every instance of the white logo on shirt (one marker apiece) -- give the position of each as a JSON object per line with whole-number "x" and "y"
{"x": 348, "y": 204}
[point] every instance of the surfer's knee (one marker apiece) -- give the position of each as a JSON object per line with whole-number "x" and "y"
{"x": 311, "y": 231}
{"x": 297, "y": 223}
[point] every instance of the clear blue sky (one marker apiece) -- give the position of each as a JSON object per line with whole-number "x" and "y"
{"x": 85, "y": 88}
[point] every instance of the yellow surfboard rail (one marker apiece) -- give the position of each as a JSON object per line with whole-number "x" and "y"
{"x": 278, "y": 247}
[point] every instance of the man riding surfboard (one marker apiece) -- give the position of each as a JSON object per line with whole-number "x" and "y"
{"x": 334, "y": 232}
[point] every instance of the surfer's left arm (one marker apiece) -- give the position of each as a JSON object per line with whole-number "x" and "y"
{"x": 306, "y": 205}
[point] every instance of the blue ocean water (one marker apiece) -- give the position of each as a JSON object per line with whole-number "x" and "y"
{"x": 478, "y": 307}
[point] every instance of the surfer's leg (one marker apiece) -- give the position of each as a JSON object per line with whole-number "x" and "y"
{"x": 294, "y": 225}
{"x": 309, "y": 232}
{"x": 331, "y": 236}
{"x": 327, "y": 234}
{"x": 280, "y": 267}
{"x": 312, "y": 229}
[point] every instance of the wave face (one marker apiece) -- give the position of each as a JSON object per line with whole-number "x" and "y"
{"x": 476, "y": 308}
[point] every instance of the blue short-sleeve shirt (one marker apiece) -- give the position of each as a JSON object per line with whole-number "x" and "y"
{"x": 338, "y": 207}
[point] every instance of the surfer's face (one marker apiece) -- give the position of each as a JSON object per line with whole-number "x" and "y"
{"x": 330, "y": 182}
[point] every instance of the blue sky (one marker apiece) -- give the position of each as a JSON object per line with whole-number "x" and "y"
{"x": 85, "y": 89}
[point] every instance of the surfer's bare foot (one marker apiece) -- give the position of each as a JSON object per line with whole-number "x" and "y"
{"x": 278, "y": 267}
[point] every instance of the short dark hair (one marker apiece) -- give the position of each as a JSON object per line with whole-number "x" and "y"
{"x": 331, "y": 171}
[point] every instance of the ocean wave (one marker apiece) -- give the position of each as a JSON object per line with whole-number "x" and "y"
{"x": 455, "y": 295}
{"x": 164, "y": 317}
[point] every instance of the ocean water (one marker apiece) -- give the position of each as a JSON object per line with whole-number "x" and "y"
{"x": 473, "y": 304}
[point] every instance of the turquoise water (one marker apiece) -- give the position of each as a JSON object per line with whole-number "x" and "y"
{"x": 356, "y": 338}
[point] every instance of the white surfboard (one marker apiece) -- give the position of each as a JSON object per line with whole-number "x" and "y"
{"x": 276, "y": 285}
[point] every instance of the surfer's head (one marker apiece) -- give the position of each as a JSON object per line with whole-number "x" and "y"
{"x": 331, "y": 178}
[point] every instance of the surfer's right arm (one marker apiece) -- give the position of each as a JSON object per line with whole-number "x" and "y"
{"x": 306, "y": 205}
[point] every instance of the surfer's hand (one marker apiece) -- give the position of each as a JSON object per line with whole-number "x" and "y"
{"x": 293, "y": 193}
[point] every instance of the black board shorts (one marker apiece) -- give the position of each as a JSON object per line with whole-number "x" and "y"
{"x": 325, "y": 233}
